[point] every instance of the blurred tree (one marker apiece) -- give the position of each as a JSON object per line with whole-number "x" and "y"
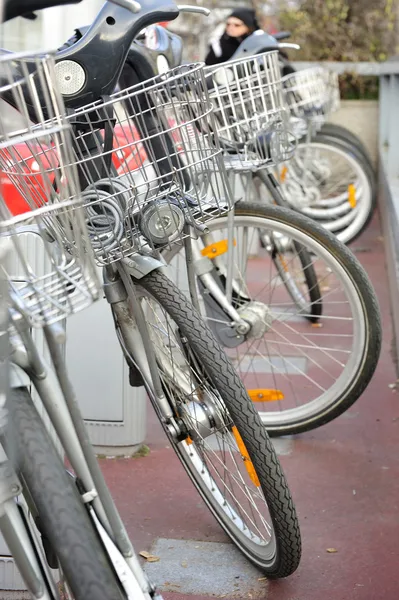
{"x": 342, "y": 30}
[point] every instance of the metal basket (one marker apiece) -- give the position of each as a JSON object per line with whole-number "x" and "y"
{"x": 149, "y": 164}
{"x": 250, "y": 111}
{"x": 51, "y": 270}
{"x": 312, "y": 93}
{"x": 332, "y": 82}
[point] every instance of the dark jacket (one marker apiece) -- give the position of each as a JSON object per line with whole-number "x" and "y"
{"x": 227, "y": 46}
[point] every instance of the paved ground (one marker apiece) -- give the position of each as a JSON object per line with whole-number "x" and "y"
{"x": 344, "y": 478}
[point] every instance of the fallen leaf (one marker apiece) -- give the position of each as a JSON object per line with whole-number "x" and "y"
{"x": 148, "y": 556}
{"x": 184, "y": 564}
{"x": 262, "y": 578}
{"x": 332, "y": 550}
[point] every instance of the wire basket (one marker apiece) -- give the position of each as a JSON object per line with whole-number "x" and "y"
{"x": 312, "y": 93}
{"x": 54, "y": 275}
{"x": 250, "y": 111}
{"x": 149, "y": 164}
{"x": 332, "y": 82}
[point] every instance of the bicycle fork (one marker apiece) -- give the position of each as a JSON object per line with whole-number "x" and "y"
{"x": 59, "y": 400}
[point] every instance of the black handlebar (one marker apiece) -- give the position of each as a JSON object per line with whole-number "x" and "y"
{"x": 103, "y": 49}
{"x": 17, "y": 8}
{"x": 282, "y": 35}
{"x": 91, "y": 67}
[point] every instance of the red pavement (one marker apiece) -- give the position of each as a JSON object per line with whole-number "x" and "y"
{"x": 344, "y": 478}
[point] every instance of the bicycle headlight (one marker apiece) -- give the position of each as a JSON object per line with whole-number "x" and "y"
{"x": 161, "y": 221}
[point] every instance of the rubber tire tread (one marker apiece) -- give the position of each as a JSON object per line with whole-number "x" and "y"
{"x": 63, "y": 518}
{"x": 304, "y": 256}
{"x": 260, "y": 448}
{"x": 311, "y": 282}
{"x": 368, "y": 299}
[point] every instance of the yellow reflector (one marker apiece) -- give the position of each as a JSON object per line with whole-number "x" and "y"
{"x": 283, "y": 174}
{"x": 216, "y": 249}
{"x": 265, "y": 395}
{"x": 352, "y": 195}
{"x": 244, "y": 453}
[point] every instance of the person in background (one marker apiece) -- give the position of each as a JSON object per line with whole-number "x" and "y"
{"x": 239, "y": 25}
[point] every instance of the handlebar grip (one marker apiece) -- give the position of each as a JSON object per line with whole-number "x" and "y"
{"x": 17, "y": 8}
{"x": 282, "y": 35}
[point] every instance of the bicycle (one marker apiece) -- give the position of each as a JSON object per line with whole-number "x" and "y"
{"x": 311, "y": 335}
{"x": 50, "y": 519}
{"x": 323, "y": 285}
{"x": 197, "y": 395}
{"x": 331, "y": 177}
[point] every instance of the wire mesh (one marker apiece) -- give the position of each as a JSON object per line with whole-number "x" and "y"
{"x": 149, "y": 164}
{"x": 332, "y": 82}
{"x": 250, "y": 111}
{"x": 40, "y": 196}
{"x": 312, "y": 93}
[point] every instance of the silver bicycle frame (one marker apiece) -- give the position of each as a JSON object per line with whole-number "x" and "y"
{"x": 58, "y": 398}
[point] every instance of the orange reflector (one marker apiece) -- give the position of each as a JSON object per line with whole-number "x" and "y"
{"x": 265, "y": 395}
{"x": 283, "y": 263}
{"x": 189, "y": 441}
{"x": 216, "y": 249}
{"x": 352, "y": 195}
{"x": 247, "y": 461}
{"x": 283, "y": 174}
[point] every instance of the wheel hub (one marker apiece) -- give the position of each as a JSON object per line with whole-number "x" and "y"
{"x": 201, "y": 418}
{"x": 258, "y": 316}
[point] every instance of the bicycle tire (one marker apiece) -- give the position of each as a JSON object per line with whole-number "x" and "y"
{"x": 316, "y": 305}
{"x": 369, "y": 172}
{"x": 63, "y": 518}
{"x": 225, "y": 380}
{"x": 338, "y": 131}
{"x": 369, "y": 303}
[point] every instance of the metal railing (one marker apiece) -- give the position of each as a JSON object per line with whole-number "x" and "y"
{"x": 389, "y": 179}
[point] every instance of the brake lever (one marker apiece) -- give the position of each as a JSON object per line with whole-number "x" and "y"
{"x": 131, "y": 5}
{"x": 194, "y": 9}
{"x": 288, "y": 45}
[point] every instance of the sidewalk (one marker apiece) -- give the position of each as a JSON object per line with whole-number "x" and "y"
{"x": 345, "y": 482}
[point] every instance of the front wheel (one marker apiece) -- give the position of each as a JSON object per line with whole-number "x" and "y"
{"x": 58, "y": 509}
{"x": 330, "y": 181}
{"x": 346, "y": 135}
{"x": 226, "y": 450}
{"x": 301, "y": 374}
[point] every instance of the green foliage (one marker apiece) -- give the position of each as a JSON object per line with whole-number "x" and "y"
{"x": 343, "y": 30}
{"x": 358, "y": 87}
